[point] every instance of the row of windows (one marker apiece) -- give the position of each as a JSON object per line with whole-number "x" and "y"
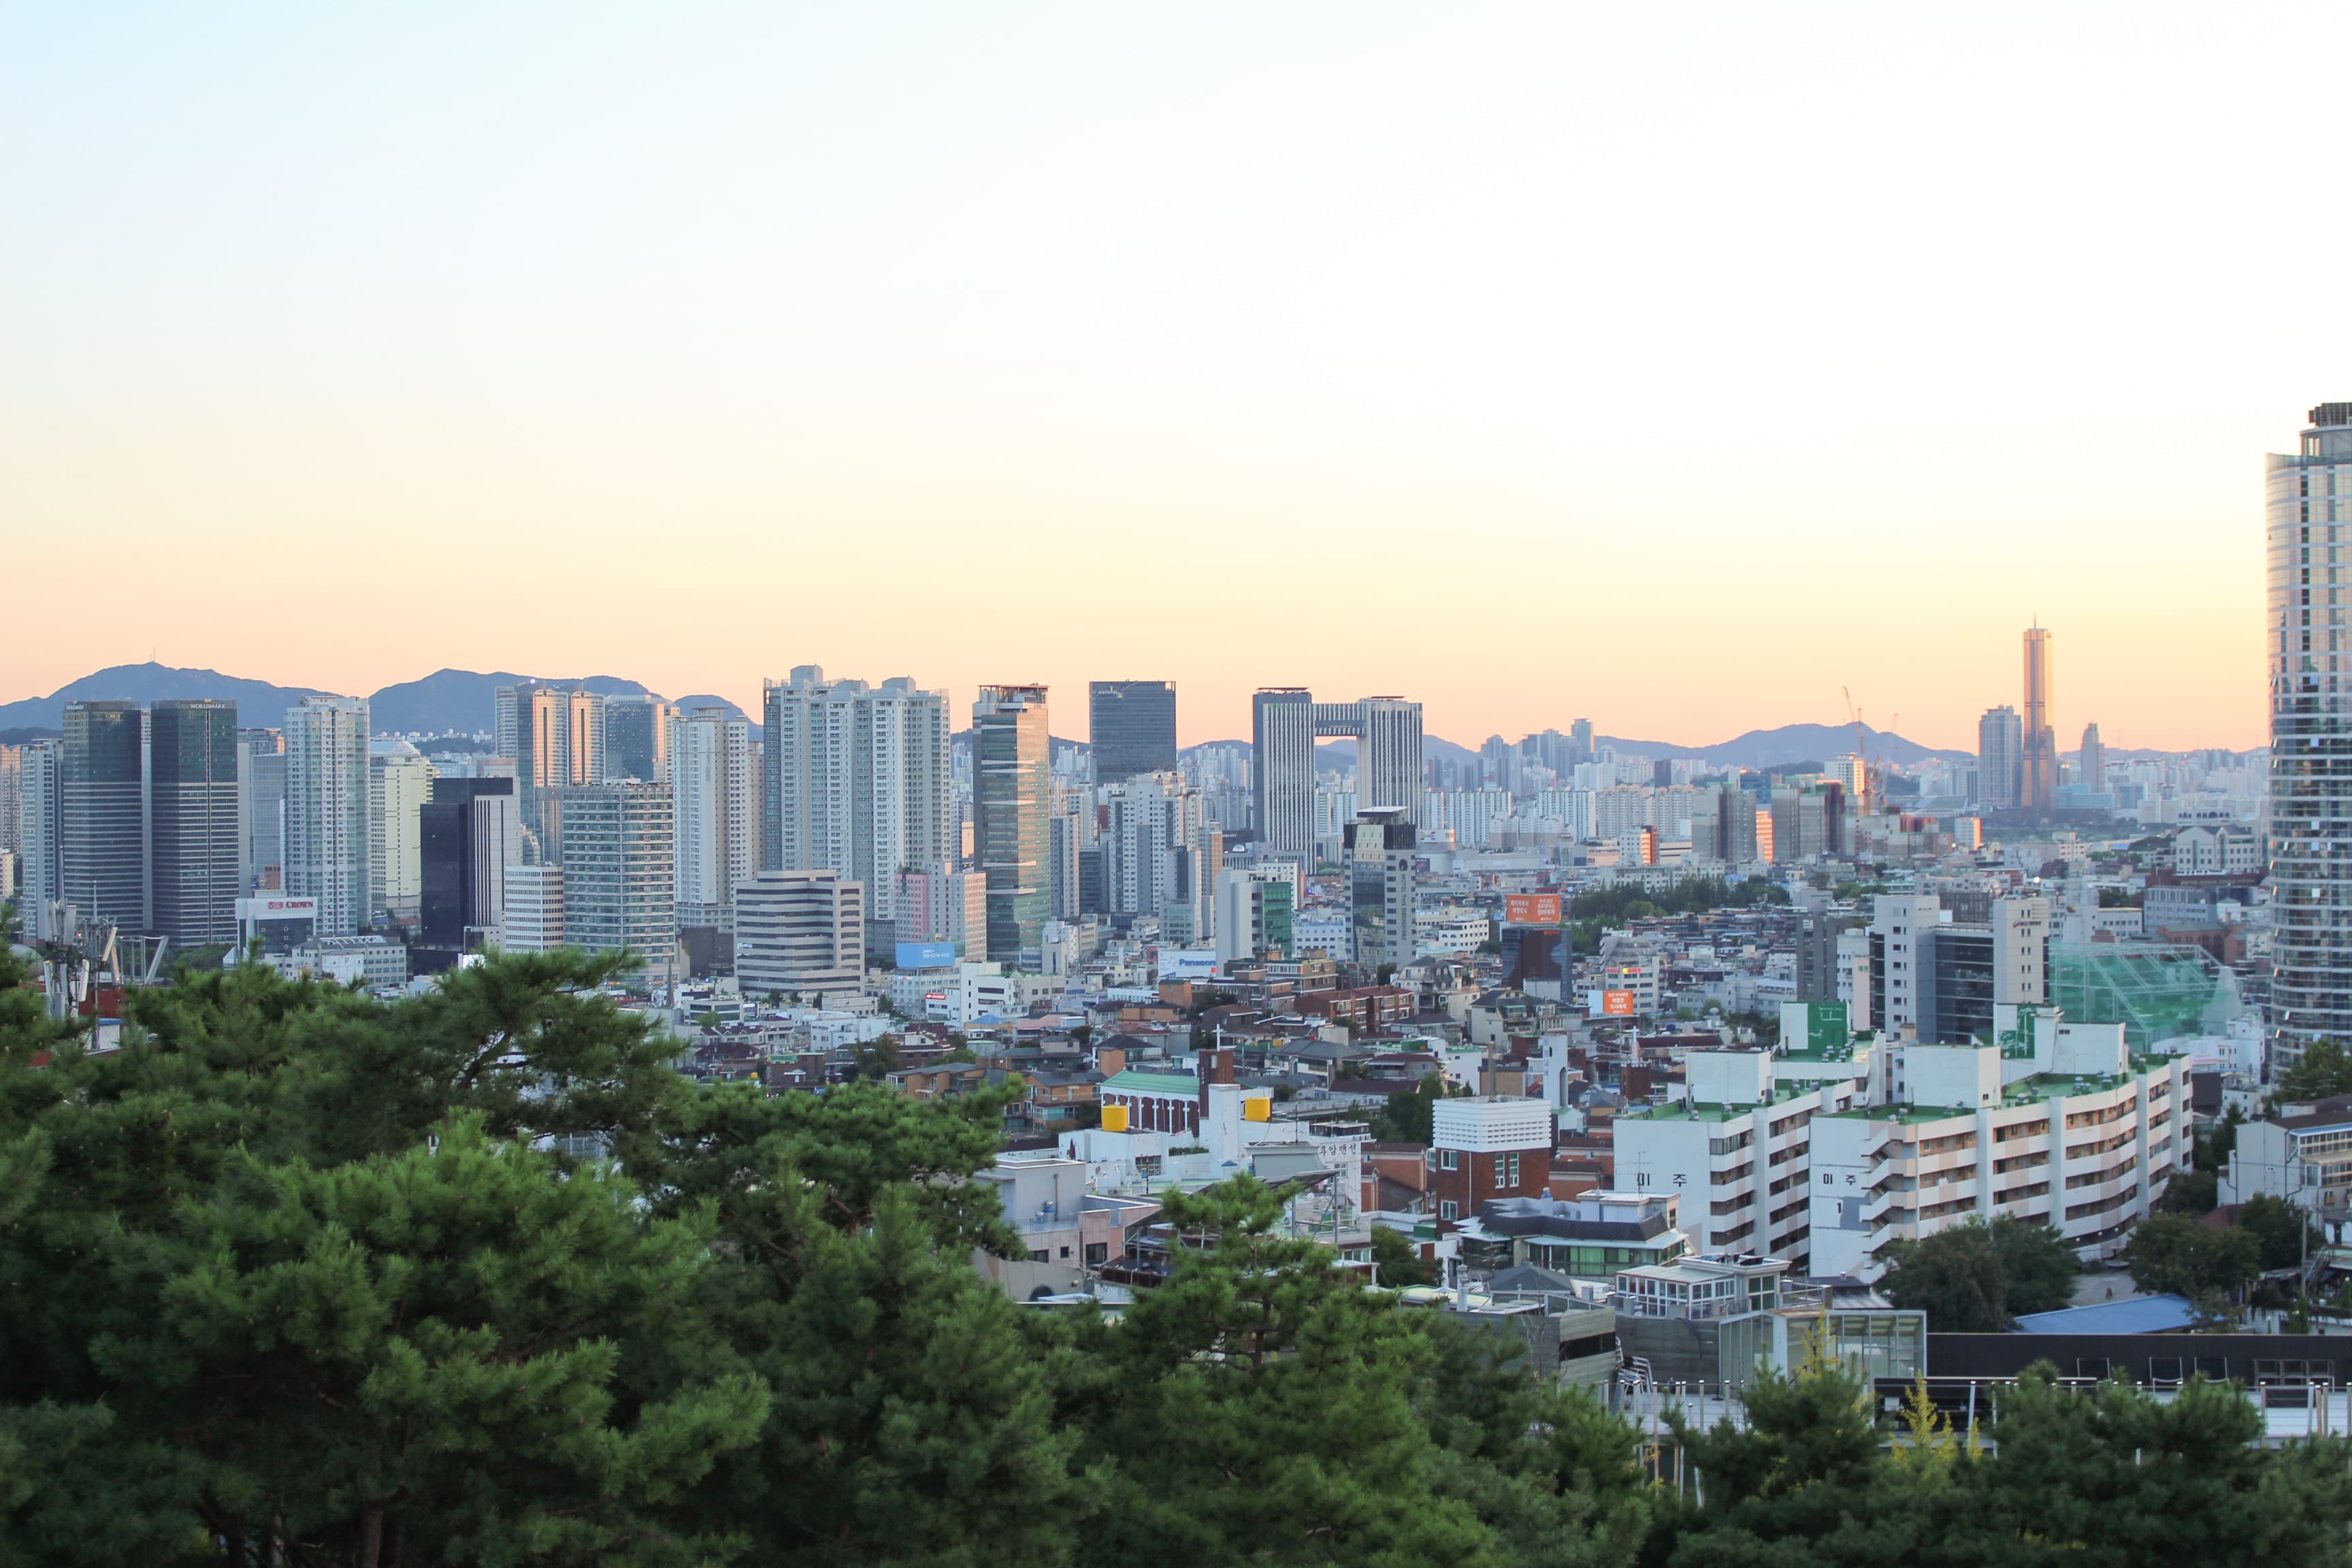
{"x": 2088, "y": 1151}
{"x": 2100, "y": 1205}
{"x": 2100, "y": 1118}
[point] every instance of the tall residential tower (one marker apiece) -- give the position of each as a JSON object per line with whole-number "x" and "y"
{"x": 1013, "y": 785}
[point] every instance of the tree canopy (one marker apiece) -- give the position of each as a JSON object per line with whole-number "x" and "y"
{"x": 1976, "y": 1278}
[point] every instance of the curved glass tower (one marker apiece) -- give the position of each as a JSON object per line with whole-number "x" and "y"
{"x": 2309, "y": 497}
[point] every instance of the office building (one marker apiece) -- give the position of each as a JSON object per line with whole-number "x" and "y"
{"x": 102, "y": 848}
{"x": 620, "y": 871}
{"x": 637, "y": 739}
{"x": 2038, "y": 758}
{"x": 1012, "y": 811}
{"x": 470, "y": 833}
{"x": 2000, "y": 747}
{"x": 1132, "y": 727}
{"x": 1382, "y": 852}
{"x": 531, "y": 899}
{"x": 799, "y": 931}
{"x": 326, "y": 814}
{"x": 400, "y": 781}
{"x": 261, "y": 777}
{"x": 195, "y": 852}
{"x": 1286, "y": 723}
{"x": 2091, "y": 765}
{"x": 2308, "y": 643}
{"x": 1257, "y": 906}
{"x": 1948, "y": 979}
{"x": 856, "y": 781}
{"x": 714, "y": 787}
{"x": 40, "y": 829}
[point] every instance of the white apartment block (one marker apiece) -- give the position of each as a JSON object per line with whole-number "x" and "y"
{"x": 327, "y": 815}
{"x": 714, "y": 790}
{"x": 400, "y": 781}
{"x": 857, "y": 781}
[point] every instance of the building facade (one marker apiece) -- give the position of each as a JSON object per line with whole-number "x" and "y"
{"x": 2038, "y": 756}
{"x": 620, "y": 875}
{"x": 2309, "y": 651}
{"x": 102, "y": 824}
{"x": 195, "y": 855}
{"x": 327, "y": 811}
{"x": 1011, "y": 807}
{"x": 1132, "y": 727}
{"x": 468, "y": 834}
{"x": 714, "y": 788}
{"x": 799, "y": 931}
{"x": 400, "y": 781}
{"x": 1382, "y": 857}
{"x": 856, "y": 780}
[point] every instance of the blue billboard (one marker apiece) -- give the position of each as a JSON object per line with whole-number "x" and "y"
{"x": 926, "y": 954}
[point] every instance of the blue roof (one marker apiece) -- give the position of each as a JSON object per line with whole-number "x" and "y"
{"x": 2141, "y": 1315}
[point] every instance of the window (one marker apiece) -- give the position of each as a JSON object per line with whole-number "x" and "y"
{"x": 1507, "y": 1171}
{"x": 1447, "y": 1160}
{"x": 1449, "y": 1209}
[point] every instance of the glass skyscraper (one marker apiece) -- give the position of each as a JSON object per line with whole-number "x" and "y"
{"x": 2309, "y": 497}
{"x": 197, "y": 831}
{"x": 1132, "y": 727}
{"x": 1012, "y": 783}
{"x": 102, "y": 819}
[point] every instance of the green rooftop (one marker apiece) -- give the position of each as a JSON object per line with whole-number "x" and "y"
{"x": 1153, "y": 1083}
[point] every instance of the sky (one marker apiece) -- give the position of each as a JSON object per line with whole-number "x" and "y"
{"x": 1683, "y": 369}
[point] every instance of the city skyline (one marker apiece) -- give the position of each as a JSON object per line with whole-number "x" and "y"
{"x": 1647, "y": 382}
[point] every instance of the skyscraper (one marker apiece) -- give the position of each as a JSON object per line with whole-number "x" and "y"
{"x": 636, "y": 738}
{"x": 1381, "y": 855}
{"x": 400, "y": 781}
{"x": 196, "y": 853}
{"x": 468, "y": 834}
{"x": 620, "y": 875}
{"x": 41, "y": 806}
{"x": 854, "y": 779}
{"x": 2309, "y": 647}
{"x": 2037, "y": 790}
{"x": 556, "y": 736}
{"x": 714, "y": 791}
{"x": 1998, "y": 742}
{"x": 2090, "y": 768}
{"x": 327, "y": 810}
{"x": 1132, "y": 727}
{"x": 261, "y": 774}
{"x": 1282, "y": 767}
{"x": 1011, "y": 802}
{"x": 102, "y": 823}
{"x": 1285, "y": 721}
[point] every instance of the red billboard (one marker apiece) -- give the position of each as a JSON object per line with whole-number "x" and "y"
{"x": 1531, "y": 909}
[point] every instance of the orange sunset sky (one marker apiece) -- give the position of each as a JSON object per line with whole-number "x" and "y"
{"x": 1534, "y": 362}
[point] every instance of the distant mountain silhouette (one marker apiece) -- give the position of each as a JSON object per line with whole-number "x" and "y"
{"x": 461, "y": 699}
{"x": 259, "y": 703}
{"x": 1757, "y": 748}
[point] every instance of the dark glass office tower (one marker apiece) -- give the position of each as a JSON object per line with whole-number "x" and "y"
{"x": 104, "y": 815}
{"x": 195, "y": 839}
{"x": 466, "y": 835}
{"x": 637, "y": 739}
{"x": 1131, "y": 725}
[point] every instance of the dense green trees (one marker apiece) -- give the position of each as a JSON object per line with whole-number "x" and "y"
{"x": 297, "y": 1278}
{"x": 2169, "y": 1252}
{"x": 1976, "y": 1278}
{"x": 2323, "y": 1069}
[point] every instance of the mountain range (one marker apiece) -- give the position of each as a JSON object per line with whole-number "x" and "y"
{"x": 466, "y": 701}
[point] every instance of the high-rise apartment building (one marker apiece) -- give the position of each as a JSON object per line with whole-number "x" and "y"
{"x": 12, "y": 827}
{"x": 468, "y": 835}
{"x": 856, "y": 780}
{"x": 1132, "y": 727}
{"x": 1999, "y": 744}
{"x": 40, "y": 833}
{"x": 636, "y": 738}
{"x": 1160, "y": 854}
{"x": 327, "y": 810}
{"x": 556, "y": 736}
{"x": 1011, "y": 809}
{"x": 714, "y": 788}
{"x": 2038, "y": 758}
{"x": 2308, "y": 642}
{"x": 102, "y": 825}
{"x": 1285, "y": 721}
{"x": 799, "y": 931}
{"x": 261, "y": 777}
{"x": 196, "y": 854}
{"x": 400, "y": 781}
{"x": 620, "y": 870}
